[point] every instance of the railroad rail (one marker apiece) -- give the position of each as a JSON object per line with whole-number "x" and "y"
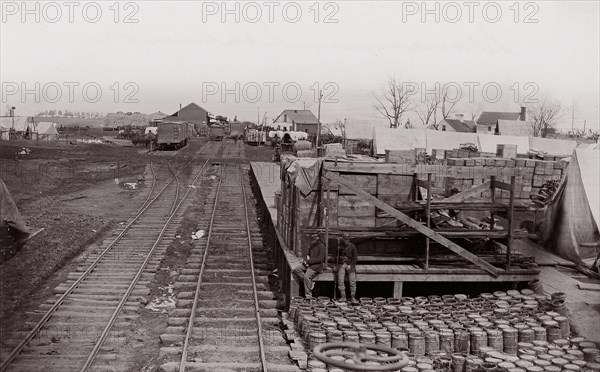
{"x": 105, "y": 292}
{"x": 225, "y": 316}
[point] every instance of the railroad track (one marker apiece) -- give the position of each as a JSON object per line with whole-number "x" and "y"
{"x": 225, "y": 316}
{"x": 82, "y": 327}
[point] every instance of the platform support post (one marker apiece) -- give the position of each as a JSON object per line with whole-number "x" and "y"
{"x": 398, "y": 289}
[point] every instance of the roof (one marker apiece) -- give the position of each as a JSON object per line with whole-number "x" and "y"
{"x": 458, "y": 125}
{"x": 515, "y": 128}
{"x": 190, "y": 107}
{"x": 299, "y": 116}
{"x": 488, "y": 117}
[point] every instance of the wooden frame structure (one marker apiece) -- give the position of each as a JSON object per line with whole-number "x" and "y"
{"x": 376, "y": 203}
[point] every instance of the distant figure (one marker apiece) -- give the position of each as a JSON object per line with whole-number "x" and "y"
{"x": 349, "y": 258}
{"x": 312, "y": 265}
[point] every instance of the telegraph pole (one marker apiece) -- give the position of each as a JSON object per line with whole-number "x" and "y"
{"x": 319, "y": 121}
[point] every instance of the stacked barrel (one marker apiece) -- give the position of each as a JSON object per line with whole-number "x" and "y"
{"x": 513, "y": 331}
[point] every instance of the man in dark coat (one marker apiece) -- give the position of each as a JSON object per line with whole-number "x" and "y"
{"x": 348, "y": 257}
{"x": 312, "y": 265}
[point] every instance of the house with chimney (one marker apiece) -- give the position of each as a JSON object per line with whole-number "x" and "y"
{"x": 456, "y": 123}
{"x": 298, "y": 121}
{"x": 487, "y": 123}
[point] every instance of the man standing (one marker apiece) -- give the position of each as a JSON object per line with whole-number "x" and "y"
{"x": 349, "y": 257}
{"x": 312, "y": 265}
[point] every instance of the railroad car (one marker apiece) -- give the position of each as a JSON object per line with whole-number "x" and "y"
{"x": 173, "y": 135}
{"x": 216, "y": 132}
{"x": 236, "y": 129}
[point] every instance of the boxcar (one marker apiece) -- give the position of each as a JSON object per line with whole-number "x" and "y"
{"x": 216, "y": 132}
{"x": 173, "y": 135}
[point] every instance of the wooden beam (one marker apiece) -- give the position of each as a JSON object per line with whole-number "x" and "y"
{"x": 462, "y": 196}
{"x": 502, "y": 185}
{"x": 409, "y": 170}
{"x": 424, "y": 230}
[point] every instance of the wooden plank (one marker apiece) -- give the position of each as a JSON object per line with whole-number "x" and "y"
{"x": 462, "y": 196}
{"x": 425, "y": 231}
{"x": 355, "y": 221}
{"x": 409, "y": 170}
{"x": 367, "y": 182}
{"x": 421, "y": 183}
{"x": 394, "y": 184}
{"x": 502, "y": 185}
{"x": 588, "y": 286}
{"x": 354, "y": 206}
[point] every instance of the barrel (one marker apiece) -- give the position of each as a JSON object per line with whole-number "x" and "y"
{"x": 317, "y": 338}
{"x": 495, "y": 339}
{"x": 416, "y": 344}
{"x": 461, "y": 341}
{"x": 536, "y": 286}
{"x": 553, "y": 333}
{"x": 366, "y": 338}
{"x": 432, "y": 342}
{"x": 563, "y": 323}
{"x": 558, "y": 296}
{"x": 590, "y": 354}
{"x": 400, "y": 339}
{"x": 383, "y": 339}
{"x": 458, "y": 360}
{"x": 571, "y": 368}
{"x": 560, "y": 307}
{"x": 539, "y": 333}
{"x": 447, "y": 341}
{"x": 351, "y": 336}
{"x": 526, "y": 335}
{"x": 510, "y": 339}
{"x": 334, "y": 336}
{"x": 472, "y": 364}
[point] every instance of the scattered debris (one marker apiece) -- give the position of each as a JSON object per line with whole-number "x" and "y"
{"x": 24, "y": 151}
{"x": 198, "y": 234}
{"x": 164, "y": 302}
{"x": 130, "y": 185}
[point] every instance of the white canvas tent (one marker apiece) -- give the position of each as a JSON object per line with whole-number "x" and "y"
{"x": 573, "y": 215}
{"x": 45, "y": 130}
{"x": 489, "y": 143}
{"x": 362, "y": 129}
{"x": 552, "y": 146}
{"x": 397, "y": 139}
{"x": 16, "y": 124}
{"x": 448, "y": 140}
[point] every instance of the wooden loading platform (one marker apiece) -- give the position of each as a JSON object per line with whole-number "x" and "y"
{"x": 388, "y": 217}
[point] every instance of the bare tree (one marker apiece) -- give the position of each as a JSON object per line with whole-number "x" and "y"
{"x": 543, "y": 117}
{"x": 428, "y": 114}
{"x": 394, "y": 101}
{"x": 447, "y": 105}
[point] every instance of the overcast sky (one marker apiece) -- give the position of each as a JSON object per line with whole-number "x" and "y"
{"x": 150, "y": 56}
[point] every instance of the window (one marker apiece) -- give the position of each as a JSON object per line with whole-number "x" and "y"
{"x": 443, "y": 127}
{"x": 489, "y": 128}
{"x": 285, "y": 118}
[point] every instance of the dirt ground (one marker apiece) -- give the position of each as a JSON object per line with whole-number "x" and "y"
{"x": 77, "y": 194}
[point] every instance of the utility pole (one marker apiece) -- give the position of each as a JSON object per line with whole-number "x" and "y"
{"x": 573, "y": 118}
{"x": 319, "y": 121}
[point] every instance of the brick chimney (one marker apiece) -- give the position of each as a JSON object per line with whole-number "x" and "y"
{"x": 523, "y": 116}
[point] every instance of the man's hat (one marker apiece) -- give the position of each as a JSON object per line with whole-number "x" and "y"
{"x": 346, "y": 235}
{"x": 316, "y": 235}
